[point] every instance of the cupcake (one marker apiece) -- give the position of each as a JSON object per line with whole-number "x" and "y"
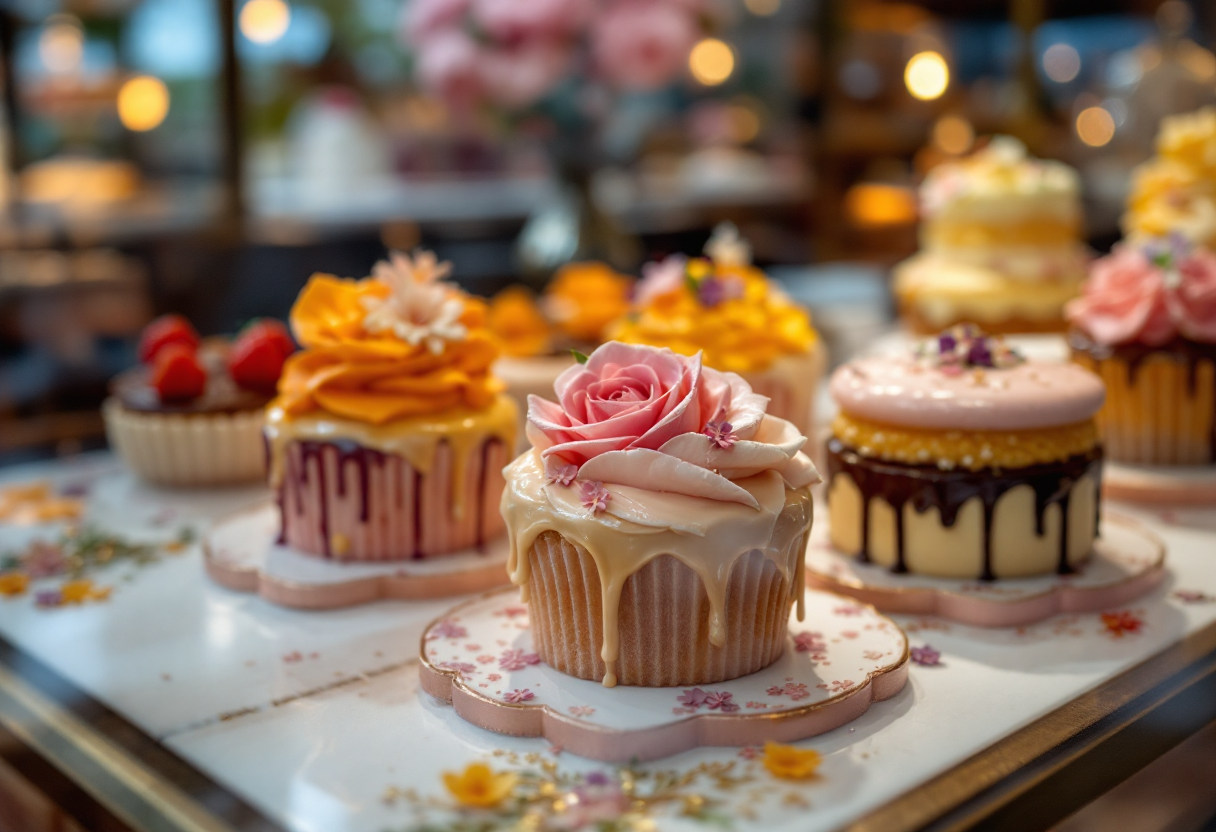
{"x": 1001, "y": 244}
{"x": 577, "y": 307}
{"x": 658, "y": 524}
{"x": 192, "y": 412}
{"x": 741, "y": 322}
{"x": 1174, "y": 193}
{"x": 1146, "y": 324}
{"x": 389, "y": 433}
{"x": 963, "y": 460}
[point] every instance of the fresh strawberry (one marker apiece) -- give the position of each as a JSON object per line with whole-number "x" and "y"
{"x": 256, "y": 360}
{"x": 177, "y": 374}
{"x": 165, "y": 330}
{"x": 272, "y": 330}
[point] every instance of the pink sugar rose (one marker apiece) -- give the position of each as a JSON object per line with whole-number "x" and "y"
{"x": 449, "y": 67}
{"x": 1124, "y": 300}
{"x": 511, "y": 21}
{"x": 1193, "y": 301}
{"x": 643, "y": 44}
{"x": 521, "y": 75}
{"x": 424, "y": 17}
{"x": 635, "y": 416}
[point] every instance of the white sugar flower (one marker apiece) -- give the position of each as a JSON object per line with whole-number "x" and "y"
{"x": 420, "y": 307}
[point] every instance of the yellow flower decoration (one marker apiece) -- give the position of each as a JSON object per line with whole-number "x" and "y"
{"x": 479, "y": 786}
{"x": 36, "y": 503}
{"x": 744, "y": 333}
{"x": 515, "y": 317}
{"x": 789, "y": 762}
{"x": 77, "y": 592}
{"x": 13, "y": 583}
{"x": 1175, "y": 192}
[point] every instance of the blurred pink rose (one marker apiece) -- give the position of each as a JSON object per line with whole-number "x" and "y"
{"x": 510, "y": 21}
{"x": 521, "y": 75}
{"x": 1193, "y": 301}
{"x": 448, "y": 65}
{"x": 425, "y": 17}
{"x": 1124, "y": 300}
{"x": 642, "y": 44}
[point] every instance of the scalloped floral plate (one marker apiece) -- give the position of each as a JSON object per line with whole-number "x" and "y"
{"x": 841, "y": 659}
{"x": 241, "y": 553}
{"x": 1127, "y": 562}
{"x": 1175, "y": 485}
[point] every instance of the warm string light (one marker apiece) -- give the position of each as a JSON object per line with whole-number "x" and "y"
{"x": 1061, "y": 62}
{"x": 953, "y": 135}
{"x": 143, "y": 103}
{"x": 1095, "y": 126}
{"x": 265, "y": 21}
{"x": 711, "y": 61}
{"x": 927, "y": 76}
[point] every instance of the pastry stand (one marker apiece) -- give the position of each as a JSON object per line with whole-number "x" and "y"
{"x": 241, "y": 553}
{"x": 842, "y": 658}
{"x": 1127, "y": 561}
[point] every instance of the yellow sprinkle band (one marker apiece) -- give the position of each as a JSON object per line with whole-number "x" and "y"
{"x": 970, "y": 449}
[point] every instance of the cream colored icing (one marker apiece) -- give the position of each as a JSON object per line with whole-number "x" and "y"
{"x": 957, "y": 551}
{"x": 903, "y": 391}
{"x": 416, "y": 438}
{"x": 638, "y": 525}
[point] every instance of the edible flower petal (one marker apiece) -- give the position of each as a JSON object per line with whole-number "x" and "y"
{"x": 789, "y": 762}
{"x": 479, "y": 786}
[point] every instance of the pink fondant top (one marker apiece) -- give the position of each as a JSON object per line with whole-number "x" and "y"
{"x": 906, "y": 392}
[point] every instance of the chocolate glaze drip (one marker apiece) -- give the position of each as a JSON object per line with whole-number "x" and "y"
{"x": 927, "y": 486}
{"x": 1182, "y": 350}
{"x": 348, "y": 452}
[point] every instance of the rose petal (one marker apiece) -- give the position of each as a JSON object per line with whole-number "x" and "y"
{"x": 655, "y": 471}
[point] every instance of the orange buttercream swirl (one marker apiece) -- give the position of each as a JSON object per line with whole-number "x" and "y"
{"x": 375, "y": 374}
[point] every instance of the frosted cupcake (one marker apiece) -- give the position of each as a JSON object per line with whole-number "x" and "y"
{"x": 191, "y": 414}
{"x": 658, "y": 524}
{"x": 1174, "y": 193}
{"x": 389, "y": 432}
{"x": 1001, "y": 244}
{"x": 741, "y": 322}
{"x": 964, "y": 460}
{"x": 1147, "y": 325}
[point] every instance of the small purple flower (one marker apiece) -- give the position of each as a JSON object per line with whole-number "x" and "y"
{"x": 597, "y": 778}
{"x": 721, "y": 434}
{"x": 517, "y": 660}
{"x": 49, "y": 598}
{"x": 979, "y": 355}
{"x": 694, "y": 698}
{"x": 946, "y": 343}
{"x": 560, "y": 472}
{"x": 514, "y": 697}
{"x": 926, "y": 656}
{"x": 594, "y": 496}
{"x": 714, "y": 290}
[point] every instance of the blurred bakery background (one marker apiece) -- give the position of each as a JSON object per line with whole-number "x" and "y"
{"x": 206, "y": 156}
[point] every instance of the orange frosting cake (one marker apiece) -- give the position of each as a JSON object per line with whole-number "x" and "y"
{"x": 393, "y": 391}
{"x": 741, "y": 322}
{"x": 658, "y": 524}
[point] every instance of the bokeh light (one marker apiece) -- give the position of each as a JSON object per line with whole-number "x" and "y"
{"x": 878, "y": 205}
{"x": 1095, "y": 126}
{"x": 927, "y": 76}
{"x": 763, "y": 8}
{"x": 953, "y": 135}
{"x": 143, "y": 103}
{"x": 61, "y": 44}
{"x": 265, "y": 21}
{"x": 1061, "y": 62}
{"x": 711, "y": 61}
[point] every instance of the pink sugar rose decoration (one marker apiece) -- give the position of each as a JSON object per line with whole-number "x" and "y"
{"x": 638, "y": 416}
{"x": 642, "y": 44}
{"x": 594, "y": 496}
{"x": 1192, "y": 303}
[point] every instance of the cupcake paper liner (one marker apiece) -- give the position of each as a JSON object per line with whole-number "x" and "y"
{"x": 663, "y": 616}
{"x": 188, "y": 449}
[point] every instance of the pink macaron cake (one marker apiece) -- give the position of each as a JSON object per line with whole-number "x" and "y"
{"x": 963, "y": 459}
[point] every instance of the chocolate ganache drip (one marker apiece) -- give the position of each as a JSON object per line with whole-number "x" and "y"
{"x": 927, "y": 486}
{"x": 1191, "y": 354}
